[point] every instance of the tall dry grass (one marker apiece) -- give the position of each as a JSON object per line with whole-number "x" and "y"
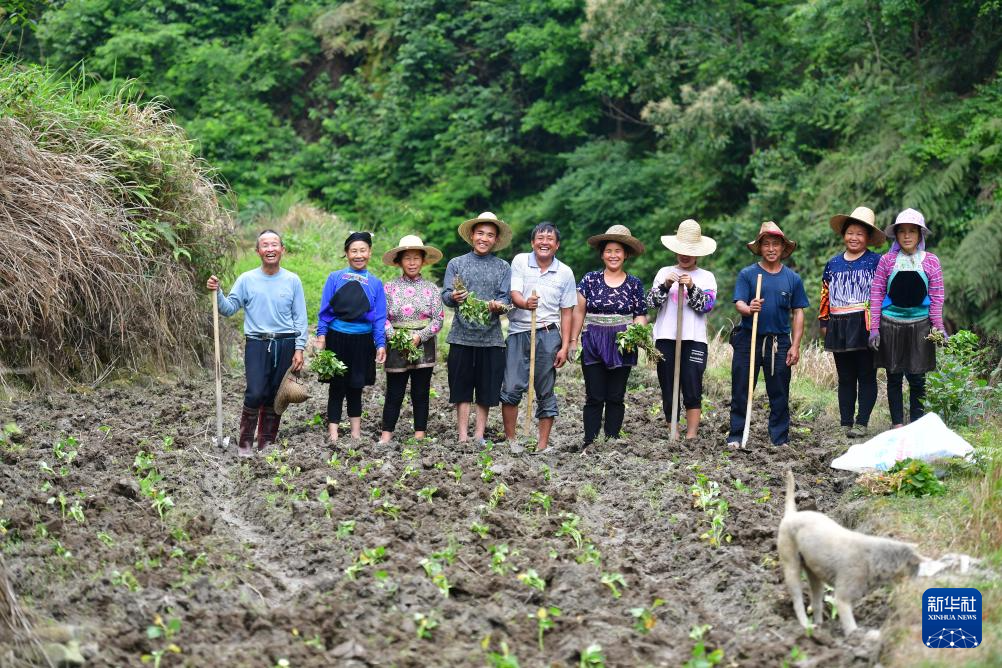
{"x": 108, "y": 225}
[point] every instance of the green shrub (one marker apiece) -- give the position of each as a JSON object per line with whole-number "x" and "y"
{"x": 959, "y": 391}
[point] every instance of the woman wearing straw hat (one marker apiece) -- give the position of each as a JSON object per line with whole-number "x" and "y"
{"x": 845, "y": 315}
{"x": 609, "y": 300}
{"x": 700, "y": 287}
{"x": 906, "y": 302}
{"x": 353, "y": 326}
{"x": 413, "y": 305}
{"x": 476, "y": 351}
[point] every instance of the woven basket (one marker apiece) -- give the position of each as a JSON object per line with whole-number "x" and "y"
{"x": 293, "y": 390}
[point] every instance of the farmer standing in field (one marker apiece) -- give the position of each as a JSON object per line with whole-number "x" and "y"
{"x": 541, "y": 283}
{"x": 476, "y": 349}
{"x": 783, "y": 295}
{"x": 275, "y": 329}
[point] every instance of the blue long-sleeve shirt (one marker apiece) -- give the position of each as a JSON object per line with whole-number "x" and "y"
{"x": 374, "y": 320}
{"x": 272, "y": 304}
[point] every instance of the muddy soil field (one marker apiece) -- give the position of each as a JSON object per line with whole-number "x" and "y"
{"x": 431, "y": 553}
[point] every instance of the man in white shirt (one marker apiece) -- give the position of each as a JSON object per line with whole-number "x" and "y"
{"x": 540, "y": 282}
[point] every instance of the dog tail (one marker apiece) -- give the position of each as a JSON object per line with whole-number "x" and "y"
{"x": 791, "y": 502}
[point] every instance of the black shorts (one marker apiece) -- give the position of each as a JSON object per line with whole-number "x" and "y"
{"x": 694, "y": 357}
{"x": 475, "y": 369}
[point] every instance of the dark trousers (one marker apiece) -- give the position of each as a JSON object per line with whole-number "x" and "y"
{"x": 604, "y": 389}
{"x": 396, "y": 386}
{"x": 339, "y": 390}
{"x": 895, "y": 396}
{"x": 777, "y": 382}
{"x": 856, "y": 370}
{"x": 265, "y": 363}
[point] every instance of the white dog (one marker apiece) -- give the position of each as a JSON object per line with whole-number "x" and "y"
{"x": 851, "y": 562}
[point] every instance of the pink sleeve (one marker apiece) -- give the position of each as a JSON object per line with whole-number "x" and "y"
{"x": 878, "y": 290}
{"x": 937, "y": 291}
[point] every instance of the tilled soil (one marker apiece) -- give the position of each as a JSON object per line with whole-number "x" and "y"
{"x": 251, "y": 561}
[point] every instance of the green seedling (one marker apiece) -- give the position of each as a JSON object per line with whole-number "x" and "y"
{"x": 764, "y": 496}
{"x": 344, "y": 529}
{"x": 499, "y": 555}
{"x": 427, "y": 493}
{"x": 796, "y": 654}
{"x": 504, "y": 659}
{"x": 531, "y": 578}
{"x": 166, "y": 631}
{"x": 480, "y": 529}
{"x": 390, "y": 510}
{"x": 706, "y": 497}
{"x": 541, "y": 500}
{"x": 547, "y": 473}
{"x": 106, "y": 538}
{"x": 425, "y": 625}
{"x": 435, "y": 571}
{"x": 367, "y": 557}
{"x": 125, "y": 579}
{"x": 60, "y": 551}
{"x": 410, "y": 454}
{"x": 334, "y": 462}
{"x": 700, "y": 657}
{"x": 544, "y": 622}
{"x": 375, "y": 493}
{"x": 457, "y": 472}
{"x": 324, "y": 498}
{"x": 485, "y": 461}
{"x": 592, "y": 657}
{"x": 497, "y": 494}
{"x": 644, "y": 617}
{"x": 65, "y": 451}
{"x": 570, "y": 528}
{"x": 741, "y": 487}
{"x": 610, "y": 580}
{"x": 316, "y": 421}
{"x": 589, "y": 555}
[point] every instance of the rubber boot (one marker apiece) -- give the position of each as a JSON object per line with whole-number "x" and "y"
{"x": 248, "y": 425}
{"x": 268, "y": 432}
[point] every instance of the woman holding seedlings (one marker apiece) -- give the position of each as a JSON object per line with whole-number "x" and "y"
{"x": 352, "y": 326}
{"x": 906, "y": 303}
{"x": 700, "y": 293}
{"x": 845, "y": 314}
{"x": 414, "y": 315}
{"x": 608, "y": 301}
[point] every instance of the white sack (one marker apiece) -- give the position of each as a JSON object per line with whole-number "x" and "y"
{"x": 927, "y": 439}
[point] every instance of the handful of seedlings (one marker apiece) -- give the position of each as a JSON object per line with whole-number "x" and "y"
{"x": 473, "y": 309}
{"x": 638, "y": 337}
{"x": 326, "y": 365}
{"x": 936, "y": 337}
{"x": 403, "y": 343}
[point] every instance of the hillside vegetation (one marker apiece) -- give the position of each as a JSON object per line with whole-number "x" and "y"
{"x": 587, "y": 113}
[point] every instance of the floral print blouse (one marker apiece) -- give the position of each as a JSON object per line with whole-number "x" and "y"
{"x": 408, "y": 300}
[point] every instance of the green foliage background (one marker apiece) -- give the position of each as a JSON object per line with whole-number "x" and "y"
{"x": 412, "y": 115}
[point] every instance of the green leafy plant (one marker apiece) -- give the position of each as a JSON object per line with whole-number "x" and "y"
{"x": 427, "y": 493}
{"x": 165, "y": 630}
{"x": 706, "y": 497}
{"x": 425, "y": 624}
{"x": 589, "y": 554}
{"x": 644, "y": 619}
{"x": 367, "y": 557}
{"x": 531, "y": 578}
{"x": 611, "y": 580}
{"x": 545, "y": 620}
{"x": 541, "y": 500}
{"x": 480, "y": 529}
{"x": 592, "y": 657}
{"x": 570, "y": 527}
{"x": 502, "y": 659}
{"x": 499, "y": 555}
{"x": 344, "y": 529}
{"x": 638, "y": 336}
{"x": 433, "y": 568}
{"x": 326, "y": 365}
{"x": 959, "y": 390}
{"x": 908, "y": 477}
{"x": 701, "y": 658}
{"x": 473, "y": 309}
{"x": 403, "y": 342}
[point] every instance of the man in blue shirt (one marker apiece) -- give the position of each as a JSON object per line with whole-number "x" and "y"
{"x": 275, "y": 329}
{"x": 783, "y": 294}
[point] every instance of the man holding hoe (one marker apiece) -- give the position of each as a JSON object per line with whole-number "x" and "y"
{"x": 275, "y": 329}
{"x": 540, "y": 283}
{"x": 782, "y": 294}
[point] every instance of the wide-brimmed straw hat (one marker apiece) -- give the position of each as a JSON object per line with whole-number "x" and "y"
{"x": 412, "y": 242}
{"x": 772, "y": 229}
{"x": 689, "y": 240}
{"x": 293, "y": 390}
{"x": 504, "y": 232}
{"x": 861, "y": 215}
{"x": 619, "y": 234}
{"x": 909, "y": 217}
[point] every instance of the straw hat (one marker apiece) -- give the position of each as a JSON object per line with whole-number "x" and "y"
{"x": 504, "y": 232}
{"x": 619, "y": 234}
{"x": 293, "y": 390}
{"x": 909, "y": 217}
{"x": 412, "y": 242}
{"x": 689, "y": 240}
{"x": 771, "y": 228}
{"x": 862, "y": 216}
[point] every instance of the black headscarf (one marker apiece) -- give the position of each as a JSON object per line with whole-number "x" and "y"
{"x": 358, "y": 236}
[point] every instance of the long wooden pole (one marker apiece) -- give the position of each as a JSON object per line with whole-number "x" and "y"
{"x": 532, "y": 370}
{"x": 678, "y": 363}
{"x": 219, "y": 379}
{"x": 751, "y": 370}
